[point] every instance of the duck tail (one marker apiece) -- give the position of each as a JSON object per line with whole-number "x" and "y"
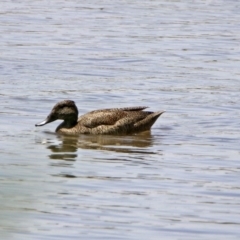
{"x": 146, "y": 123}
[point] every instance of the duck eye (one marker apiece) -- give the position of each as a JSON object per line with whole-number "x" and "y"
{"x": 62, "y": 106}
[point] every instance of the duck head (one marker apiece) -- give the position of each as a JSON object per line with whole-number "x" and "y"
{"x": 65, "y": 110}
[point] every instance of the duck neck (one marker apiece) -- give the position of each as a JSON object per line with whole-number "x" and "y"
{"x": 67, "y": 123}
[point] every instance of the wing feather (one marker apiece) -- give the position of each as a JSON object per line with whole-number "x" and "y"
{"x": 111, "y": 116}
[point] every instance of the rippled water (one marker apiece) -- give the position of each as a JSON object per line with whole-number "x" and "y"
{"x": 181, "y": 181}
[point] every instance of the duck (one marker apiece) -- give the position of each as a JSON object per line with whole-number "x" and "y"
{"x": 112, "y": 121}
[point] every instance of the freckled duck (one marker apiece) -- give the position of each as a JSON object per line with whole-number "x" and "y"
{"x": 113, "y": 121}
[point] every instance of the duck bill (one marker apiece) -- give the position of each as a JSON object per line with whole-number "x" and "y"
{"x": 46, "y": 121}
{"x": 42, "y": 123}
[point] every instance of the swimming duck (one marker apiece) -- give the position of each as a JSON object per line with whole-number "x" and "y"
{"x": 112, "y": 121}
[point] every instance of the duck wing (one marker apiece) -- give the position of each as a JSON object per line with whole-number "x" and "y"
{"x": 127, "y": 109}
{"x": 132, "y": 108}
{"x": 111, "y": 116}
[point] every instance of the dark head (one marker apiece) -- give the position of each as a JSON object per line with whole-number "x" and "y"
{"x": 65, "y": 110}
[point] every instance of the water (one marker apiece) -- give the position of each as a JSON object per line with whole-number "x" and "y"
{"x": 181, "y": 181}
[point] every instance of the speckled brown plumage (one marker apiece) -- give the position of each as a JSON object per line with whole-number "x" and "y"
{"x": 106, "y": 121}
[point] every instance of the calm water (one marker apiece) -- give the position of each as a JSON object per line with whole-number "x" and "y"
{"x": 181, "y": 181}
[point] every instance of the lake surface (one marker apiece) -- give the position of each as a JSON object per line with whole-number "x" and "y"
{"x": 181, "y": 181}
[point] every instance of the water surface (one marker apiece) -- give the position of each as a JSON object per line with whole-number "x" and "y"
{"x": 181, "y": 181}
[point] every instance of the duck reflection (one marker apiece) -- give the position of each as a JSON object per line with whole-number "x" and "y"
{"x": 67, "y": 146}
{"x": 65, "y": 149}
